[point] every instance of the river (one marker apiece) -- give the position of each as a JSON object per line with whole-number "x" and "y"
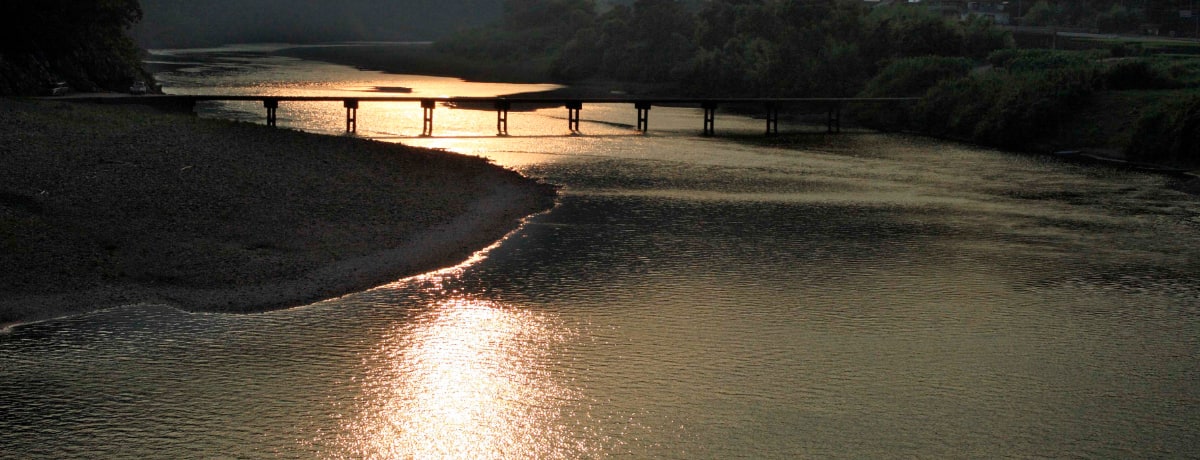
{"x": 847, "y": 296}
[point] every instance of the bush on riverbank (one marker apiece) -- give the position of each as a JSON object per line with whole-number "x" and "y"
{"x": 1008, "y": 105}
{"x": 1014, "y": 108}
{"x": 1138, "y": 73}
{"x": 908, "y": 77}
{"x": 1169, "y": 133}
{"x": 1119, "y": 72}
{"x": 914, "y": 76}
{"x": 1043, "y": 99}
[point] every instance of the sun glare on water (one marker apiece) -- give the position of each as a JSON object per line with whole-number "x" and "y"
{"x": 466, "y": 379}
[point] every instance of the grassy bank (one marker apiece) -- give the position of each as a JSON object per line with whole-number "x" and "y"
{"x": 103, "y": 206}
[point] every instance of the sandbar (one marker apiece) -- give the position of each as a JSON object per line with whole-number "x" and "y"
{"x": 102, "y": 206}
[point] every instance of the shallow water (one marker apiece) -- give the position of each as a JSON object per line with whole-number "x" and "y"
{"x": 859, "y": 295}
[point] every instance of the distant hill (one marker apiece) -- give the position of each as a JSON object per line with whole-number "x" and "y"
{"x": 190, "y": 23}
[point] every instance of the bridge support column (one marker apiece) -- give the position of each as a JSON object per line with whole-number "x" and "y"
{"x": 772, "y": 119}
{"x": 427, "y": 106}
{"x": 573, "y": 108}
{"x": 502, "y": 108}
{"x": 710, "y": 117}
{"x": 834, "y": 124}
{"x": 272, "y": 106}
{"x": 351, "y": 115}
{"x": 643, "y": 116}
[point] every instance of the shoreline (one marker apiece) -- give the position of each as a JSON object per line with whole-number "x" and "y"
{"x": 414, "y": 59}
{"x": 106, "y": 206}
{"x": 423, "y": 59}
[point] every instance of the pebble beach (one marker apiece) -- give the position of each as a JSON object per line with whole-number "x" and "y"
{"x": 103, "y": 206}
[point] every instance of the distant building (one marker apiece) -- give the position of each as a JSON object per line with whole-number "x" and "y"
{"x": 996, "y": 10}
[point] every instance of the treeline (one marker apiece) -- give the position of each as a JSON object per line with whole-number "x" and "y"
{"x": 82, "y": 42}
{"x": 727, "y": 47}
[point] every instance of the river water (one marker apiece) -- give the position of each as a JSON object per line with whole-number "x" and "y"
{"x": 857, "y": 295}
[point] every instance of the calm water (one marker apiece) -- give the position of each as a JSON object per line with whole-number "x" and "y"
{"x": 859, "y": 295}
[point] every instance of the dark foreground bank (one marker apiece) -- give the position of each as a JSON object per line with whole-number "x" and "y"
{"x": 103, "y": 206}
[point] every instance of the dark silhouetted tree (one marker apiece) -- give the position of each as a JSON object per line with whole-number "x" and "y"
{"x": 85, "y": 42}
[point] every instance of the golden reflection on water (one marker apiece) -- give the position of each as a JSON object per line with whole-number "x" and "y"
{"x": 466, "y": 378}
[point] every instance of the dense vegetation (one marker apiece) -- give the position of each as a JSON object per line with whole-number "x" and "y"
{"x": 973, "y": 82}
{"x": 84, "y": 42}
{"x": 1169, "y": 133}
{"x": 1026, "y": 99}
{"x": 735, "y": 47}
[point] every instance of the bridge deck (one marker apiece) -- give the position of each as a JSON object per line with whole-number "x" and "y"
{"x": 548, "y": 100}
{"x": 503, "y": 104}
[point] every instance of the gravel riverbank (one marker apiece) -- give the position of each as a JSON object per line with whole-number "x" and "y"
{"x": 105, "y": 205}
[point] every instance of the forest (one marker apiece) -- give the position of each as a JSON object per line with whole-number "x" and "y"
{"x": 736, "y": 47}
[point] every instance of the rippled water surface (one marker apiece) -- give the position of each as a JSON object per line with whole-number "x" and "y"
{"x": 859, "y": 295}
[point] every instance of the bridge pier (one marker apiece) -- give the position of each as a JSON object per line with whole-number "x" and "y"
{"x": 427, "y": 106}
{"x": 351, "y": 115}
{"x": 643, "y": 116}
{"x": 573, "y": 108}
{"x": 772, "y": 119}
{"x": 502, "y": 108}
{"x": 272, "y": 106}
{"x": 834, "y": 122}
{"x": 710, "y": 117}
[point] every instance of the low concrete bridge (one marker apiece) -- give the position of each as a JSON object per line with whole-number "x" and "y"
{"x": 502, "y": 105}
